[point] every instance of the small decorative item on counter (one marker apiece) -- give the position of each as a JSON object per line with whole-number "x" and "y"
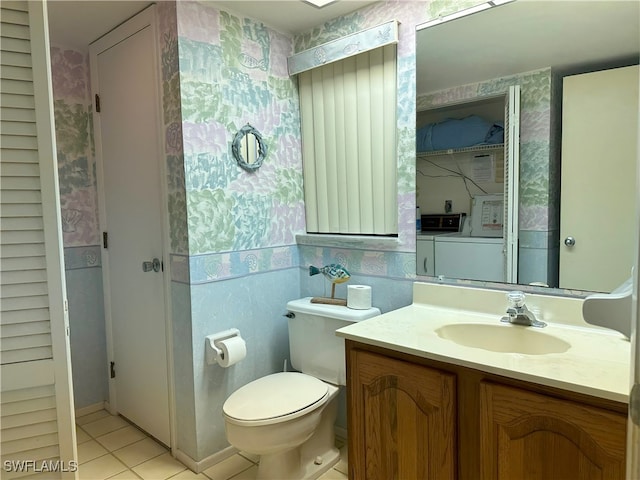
{"x": 418, "y": 220}
{"x": 335, "y": 273}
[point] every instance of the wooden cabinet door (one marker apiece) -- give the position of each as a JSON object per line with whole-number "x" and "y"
{"x": 402, "y": 421}
{"x": 529, "y": 436}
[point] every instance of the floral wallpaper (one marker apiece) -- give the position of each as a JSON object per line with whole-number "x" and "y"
{"x": 74, "y": 139}
{"x": 172, "y": 124}
{"x": 233, "y": 72}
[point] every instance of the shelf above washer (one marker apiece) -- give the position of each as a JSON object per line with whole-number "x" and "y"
{"x": 453, "y": 151}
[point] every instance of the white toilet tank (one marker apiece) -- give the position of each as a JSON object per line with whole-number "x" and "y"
{"x": 315, "y": 348}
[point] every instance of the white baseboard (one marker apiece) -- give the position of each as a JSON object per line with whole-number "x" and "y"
{"x": 341, "y": 433}
{"x": 96, "y": 407}
{"x": 199, "y": 466}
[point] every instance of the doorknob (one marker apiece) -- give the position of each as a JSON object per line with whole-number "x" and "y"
{"x": 569, "y": 241}
{"x": 154, "y": 265}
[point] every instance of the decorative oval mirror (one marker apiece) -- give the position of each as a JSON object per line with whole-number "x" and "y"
{"x": 248, "y": 148}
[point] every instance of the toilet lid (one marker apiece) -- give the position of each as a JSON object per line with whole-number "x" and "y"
{"x": 274, "y": 396}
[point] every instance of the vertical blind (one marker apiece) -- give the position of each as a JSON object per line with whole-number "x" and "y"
{"x": 348, "y": 116}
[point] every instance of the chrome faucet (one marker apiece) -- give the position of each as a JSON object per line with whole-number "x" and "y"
{"x": 518, "y": 313}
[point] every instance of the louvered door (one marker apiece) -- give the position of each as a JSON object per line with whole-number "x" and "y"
{"x": 511, "y": 182}
{"x": 37, "y": 432}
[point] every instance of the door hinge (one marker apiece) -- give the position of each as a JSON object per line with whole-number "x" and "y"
{"x": 97, "y": 103}
{"x": 105, "y": 240}
{"x": 112, "y": 369}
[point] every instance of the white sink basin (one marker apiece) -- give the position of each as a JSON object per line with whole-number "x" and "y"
{"x": 504, "y": 338}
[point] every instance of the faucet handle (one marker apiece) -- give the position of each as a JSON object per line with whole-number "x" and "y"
{"x": 516, "y": 298}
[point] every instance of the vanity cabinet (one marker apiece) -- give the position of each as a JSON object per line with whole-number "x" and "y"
{"x": 414, "y": 418}
{"x": 527, "y": 435}
{"x": 404, "y": 427}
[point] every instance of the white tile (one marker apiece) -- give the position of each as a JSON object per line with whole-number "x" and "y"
{"x": 333, "y": 475}
{"x": 189, "y": 475}
{"x": 120, "y": 438}
{"x": 159, "y": 468}
{"x": 92, "y": 417}
{"x": 126, "y": 475}
{"x": 81, "y": 436}
{"x": 251, "y": 456}
{"x": 228, "y": 467}
{"x": 249, "y": 474}
{"x": 104, "y": 425}
{"x": 101, "y": 468}
{"x": 343, "y": 463}
{"x": 87, "y": 451}
{"x": 139, "y": 452}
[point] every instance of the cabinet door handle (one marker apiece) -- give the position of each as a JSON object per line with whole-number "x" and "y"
{"x": 425, "y": 265}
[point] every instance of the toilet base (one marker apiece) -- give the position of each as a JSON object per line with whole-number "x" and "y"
{"x": 289, "y": 465}
{"x": 311, "y": 459}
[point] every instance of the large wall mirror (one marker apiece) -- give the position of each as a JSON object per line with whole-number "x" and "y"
{"x": 572, "y": 133}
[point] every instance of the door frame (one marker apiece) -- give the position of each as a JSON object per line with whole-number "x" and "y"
{"x": 146, "y": 18}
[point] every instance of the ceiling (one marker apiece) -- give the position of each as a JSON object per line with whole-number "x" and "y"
{"x": 77, "y": 23}
{"x": 521, "y": 36}
{"x": 524, "y": 36}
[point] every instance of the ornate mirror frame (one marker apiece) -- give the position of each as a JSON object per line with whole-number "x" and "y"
{"x": 248, "y": 164}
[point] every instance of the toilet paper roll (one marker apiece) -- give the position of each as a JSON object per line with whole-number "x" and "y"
{"x": 233, "y": 349}
{"x": 359, "y": 297}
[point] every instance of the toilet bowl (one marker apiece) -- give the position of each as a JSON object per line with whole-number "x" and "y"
{"x": 291, "y": 427}
{"x": 288, "y": 418}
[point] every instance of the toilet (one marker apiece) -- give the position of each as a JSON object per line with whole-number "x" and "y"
{"x": 287, "y": 418}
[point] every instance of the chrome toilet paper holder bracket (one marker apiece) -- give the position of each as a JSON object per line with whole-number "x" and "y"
{"x": 213, "y": 352}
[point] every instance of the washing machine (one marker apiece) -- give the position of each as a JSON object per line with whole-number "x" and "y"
{"x": 477, "y": 252}
{"x": 434, "y": 225}
{"x": 472, "y": 258}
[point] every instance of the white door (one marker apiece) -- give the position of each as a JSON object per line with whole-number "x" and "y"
{"x": 597, "y": 199}
{"x": 633, "y": 437}
{"x": 124, "y": 76}
{"x": 633, "y": 431}
{"x": 36, "y": 402}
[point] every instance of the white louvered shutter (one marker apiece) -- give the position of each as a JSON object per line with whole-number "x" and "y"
{"x": 35, "y": 396}
{"x": 511, "y": 182}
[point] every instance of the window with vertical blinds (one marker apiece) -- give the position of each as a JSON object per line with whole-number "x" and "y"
{"x": 348, "y": 116}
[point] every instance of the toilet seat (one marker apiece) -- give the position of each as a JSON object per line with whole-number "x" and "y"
{"x": 275, "y": 398}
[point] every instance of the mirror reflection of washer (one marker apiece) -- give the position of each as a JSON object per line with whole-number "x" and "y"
{"x": 475, "y": 253}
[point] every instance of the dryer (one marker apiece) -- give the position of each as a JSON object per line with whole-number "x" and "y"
{"x": 477, "y": 252}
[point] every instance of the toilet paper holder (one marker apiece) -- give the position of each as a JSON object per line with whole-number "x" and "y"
{"x": 213, "y": 352}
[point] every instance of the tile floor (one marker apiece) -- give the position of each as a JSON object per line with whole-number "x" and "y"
{"x": 110, "y": 447}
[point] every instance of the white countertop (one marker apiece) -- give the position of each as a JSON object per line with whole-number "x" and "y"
{"x": 597, "y": 363}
